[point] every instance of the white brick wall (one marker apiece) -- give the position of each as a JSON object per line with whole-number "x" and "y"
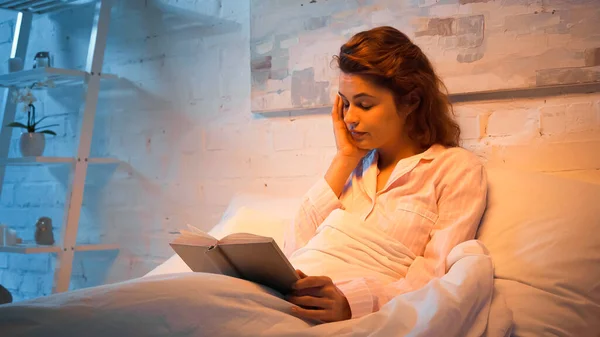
{"x": 182, "y": 125}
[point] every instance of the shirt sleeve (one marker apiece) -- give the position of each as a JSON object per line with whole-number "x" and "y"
{"x": 461, "y": 203}
{"x": 316, "y": 205}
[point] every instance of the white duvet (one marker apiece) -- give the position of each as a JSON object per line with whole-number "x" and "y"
{"x": 198, "y": 304}
{"x": 195, "y": 304}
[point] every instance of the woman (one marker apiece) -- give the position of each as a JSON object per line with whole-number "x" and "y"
{"x": 399, "y": 168}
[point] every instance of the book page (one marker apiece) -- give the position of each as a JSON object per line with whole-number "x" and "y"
{"x": 195, "y": 236}
{"x": 205, "y": 259}
{"x": 240, "y": 238}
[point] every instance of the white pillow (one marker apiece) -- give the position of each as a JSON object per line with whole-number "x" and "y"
{"x": 249, "y": 220}
{"x": 279, "y": 206}
{"x": 543, "y": 235}
{"x": 250, "y": 213}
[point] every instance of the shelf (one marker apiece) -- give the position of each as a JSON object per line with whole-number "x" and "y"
{"x": 36, "y": 161}
{"x": 39, "y": 161}
{"x": 35, "y": 6}
{"x": 38, "y": 249}
{"x": 58, "y": 76}
{"x": 103, "y": 160}
{"x": 29, "y": 249}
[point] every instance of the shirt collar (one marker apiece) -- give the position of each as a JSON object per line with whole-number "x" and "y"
{"x": 431, "y": 153}
{"x": 371, "y": 171}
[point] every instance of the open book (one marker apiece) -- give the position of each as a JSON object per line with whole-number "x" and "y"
{"x": 246, "y": 256}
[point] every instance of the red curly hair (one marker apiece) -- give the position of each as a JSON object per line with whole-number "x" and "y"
{"x": 388, "y": 58}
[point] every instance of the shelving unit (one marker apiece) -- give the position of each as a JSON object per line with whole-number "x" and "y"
{"x": 89, "y": 79}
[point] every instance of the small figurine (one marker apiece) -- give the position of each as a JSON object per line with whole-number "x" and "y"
{"x": 43, "y": 231}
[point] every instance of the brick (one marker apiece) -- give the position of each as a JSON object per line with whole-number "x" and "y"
{"x": 320, "y": 134}
{"x": 12, "y": 280}
{"x": 24, "y": 296}
{"x": 239, "y": 137}
{"x": 218, "y": 164}
{"x": 548, "y": 157}
{"x": 472, "y": 127}
{"x": 30, "y": 263}
{"x": 18, "y": 297}
{"x": 36, "y": 195}
{"x": 3, "y": 261}
{"x": 285, "y": 164}
{"x": 31, "y": 283}
{"x": 19, "y": 219}
{"x": 511, "y": 122}
{"x": 580, "y": 117}
{"x": 553, "y": 119}
{"x": 125, "y": 193}
{"x": 7, "y": 199}
{"x": 289, "y": 135}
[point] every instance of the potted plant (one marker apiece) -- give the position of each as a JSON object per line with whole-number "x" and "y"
{"x": 33, "y": 141}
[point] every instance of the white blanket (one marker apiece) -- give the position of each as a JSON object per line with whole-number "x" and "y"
{"x": 345, "y": 248}
{"x": 196, "y": 304}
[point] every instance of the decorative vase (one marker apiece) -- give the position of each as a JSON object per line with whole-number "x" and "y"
{"x": 32, "y": 144}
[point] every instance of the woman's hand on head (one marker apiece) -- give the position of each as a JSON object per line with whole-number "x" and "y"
{"x": 317, "y": 298}
{"x": 346, "y": 148}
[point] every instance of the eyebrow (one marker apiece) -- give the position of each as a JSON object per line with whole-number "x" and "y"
{"x": 362, "y": 94}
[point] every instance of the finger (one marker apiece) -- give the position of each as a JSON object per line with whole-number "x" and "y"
{"x": 301, "y": 273}
{"x": 309, "y": 301}
{"x": 312, "y": 281}
{"x": 318, "y": 315}
{"x": 340, "y": 109}
{"x": 335, "y": 109}
{"x": 315, "y": 292}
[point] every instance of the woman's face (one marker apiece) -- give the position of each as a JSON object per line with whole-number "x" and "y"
{"x": 370, "y": 113}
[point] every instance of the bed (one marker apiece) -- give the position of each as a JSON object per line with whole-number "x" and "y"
{"x": 534, "y": 270}
{"x": 541, "y": 230}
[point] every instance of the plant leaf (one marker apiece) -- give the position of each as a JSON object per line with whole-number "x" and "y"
{"x": 45, "y": 126}
{"x": 16, "y": 125}
{"x": 49, "y": 132}
{"x": 41, "y": 119}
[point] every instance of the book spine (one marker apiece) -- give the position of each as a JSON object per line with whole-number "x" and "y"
{"x": 218, "y": 258}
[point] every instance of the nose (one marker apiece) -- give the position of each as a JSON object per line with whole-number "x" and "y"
{"x": 351, "y": 117}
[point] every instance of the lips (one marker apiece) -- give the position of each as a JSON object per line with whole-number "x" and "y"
{"x": 358, "y": 135}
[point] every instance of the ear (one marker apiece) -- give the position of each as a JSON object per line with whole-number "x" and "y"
{"x": 412, "y": 100}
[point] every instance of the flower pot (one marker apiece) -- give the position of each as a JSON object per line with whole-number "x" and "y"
{"x": 32, "y": 144}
